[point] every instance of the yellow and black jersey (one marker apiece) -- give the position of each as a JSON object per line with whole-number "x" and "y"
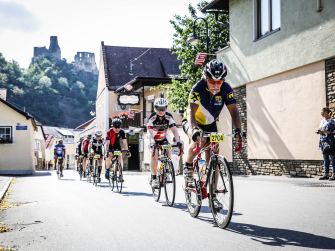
{"x": 210, "y": 106}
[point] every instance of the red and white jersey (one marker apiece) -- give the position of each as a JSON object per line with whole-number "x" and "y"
{"x": 160, "y": 125}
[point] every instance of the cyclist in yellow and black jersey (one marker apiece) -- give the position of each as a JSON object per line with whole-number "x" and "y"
{"x": 206, "y": 101}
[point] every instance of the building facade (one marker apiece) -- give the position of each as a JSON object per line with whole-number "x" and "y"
{"x": 281, "y": 64}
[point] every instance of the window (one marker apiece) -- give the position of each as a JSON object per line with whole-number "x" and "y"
{"x": 6, "y": 134}
{"x": 267, "y": 17}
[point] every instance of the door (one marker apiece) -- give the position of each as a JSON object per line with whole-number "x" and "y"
{"x": 134, "y": 160}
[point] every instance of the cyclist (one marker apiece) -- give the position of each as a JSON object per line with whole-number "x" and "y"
{"x": 85, "y": 150}
{"x": 96, "y": 146}
{"x": 206, "y": 100}
{"x": 79, "y": 154}
{"x": 158, "y": 124}
{"x": 115, "y": 140}
{"x": 59, "y": 151}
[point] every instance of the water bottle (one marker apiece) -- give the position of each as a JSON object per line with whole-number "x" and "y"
{"x": 202, "y": 167}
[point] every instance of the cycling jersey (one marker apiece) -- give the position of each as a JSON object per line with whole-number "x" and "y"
{"x": 59, "y": 150}
{"x": 115, "y": 139}
{"x": 159, "y": 125}
{"x": 85, "y": 145}
{"x": 97, "y": 145}
{"x": 210, "y": 106}
{"x": 78, "y": 150}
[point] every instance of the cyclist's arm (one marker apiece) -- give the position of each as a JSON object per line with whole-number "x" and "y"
{"x": 235, "y": 115}
{"x": 107, "y": 145}
{"x": 192, "y": 108}
{"x": 174, "y": 130}
{"x": 124, "y": 144}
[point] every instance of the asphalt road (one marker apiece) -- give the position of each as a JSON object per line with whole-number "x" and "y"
{"x": 271, "y": 213}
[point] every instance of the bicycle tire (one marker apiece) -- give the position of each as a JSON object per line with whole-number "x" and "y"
{"x": 95, "y": 178}
{"x": 222, "y": 216}
{"x": 58, "y": 171}
{"x": 81, "y": 171}
{"x": 193, "y": 195}
{"x": 156, "y": 191}
{"x": 169, "y": 178}
{"x": 112, "y": 176}
{"x": 118, "y": 181}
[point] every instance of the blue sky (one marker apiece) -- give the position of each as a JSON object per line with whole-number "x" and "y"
{"x": 81, "y": 25}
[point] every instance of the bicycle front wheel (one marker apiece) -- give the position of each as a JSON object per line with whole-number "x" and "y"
{"x": 169, "y": 183}
{"x": 156, "y": 191}
{"x": 221, "y": 193}
{"x": 118, "y": 178}
{"x": 193, "y": 194}
{"x": 95, "y": 170}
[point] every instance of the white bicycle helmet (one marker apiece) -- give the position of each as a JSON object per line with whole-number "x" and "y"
{"x": 160, "y": 102}
{"x": 98, "y": 133}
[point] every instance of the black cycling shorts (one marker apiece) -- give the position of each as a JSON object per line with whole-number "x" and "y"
{"x": 209, "y": 128}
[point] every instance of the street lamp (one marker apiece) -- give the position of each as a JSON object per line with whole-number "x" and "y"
{"x": 195, "y": 37}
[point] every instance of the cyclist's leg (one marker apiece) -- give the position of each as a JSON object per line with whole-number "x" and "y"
{"x": 108, "y": 164}
{"x": 154, "y": 162}
{"x": 99, "y": 167}
{"x": 55, "y": 163}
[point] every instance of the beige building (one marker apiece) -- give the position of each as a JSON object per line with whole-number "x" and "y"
{"x": 281, "y": 62}
{"x": 127, "y": 76}
{"x": 21, "y": 141}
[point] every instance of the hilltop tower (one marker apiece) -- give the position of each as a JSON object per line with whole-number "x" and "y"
{"x": 85, "y": 61}
{"x": 53, "y": 53}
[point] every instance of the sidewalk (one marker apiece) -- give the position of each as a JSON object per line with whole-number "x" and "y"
{"x": 4, "y": 184}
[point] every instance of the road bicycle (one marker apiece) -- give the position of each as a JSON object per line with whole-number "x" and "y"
{"x": 59, "y": 167}
{"x": 80, "y": 167}
{"x": 217, "y": 177}
{"x": 96, "y": 178}
{"x": 165, "y": 175}
{"x": 116, "y": 176}
{"x": 89, "y": 169}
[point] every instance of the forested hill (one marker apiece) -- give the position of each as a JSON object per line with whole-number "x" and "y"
{"x": 52, "y": 92}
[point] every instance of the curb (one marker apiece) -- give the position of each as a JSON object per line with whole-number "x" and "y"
{"x": 5, "y": 188}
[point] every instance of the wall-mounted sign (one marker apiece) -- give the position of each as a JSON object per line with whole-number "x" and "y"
{"x": 21, "y": 127}
{"x": 129, "y": 99}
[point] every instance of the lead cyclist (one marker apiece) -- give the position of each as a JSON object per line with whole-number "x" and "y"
{"x": 206, "y": 101}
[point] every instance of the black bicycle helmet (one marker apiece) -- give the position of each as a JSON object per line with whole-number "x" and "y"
{"x": 215, "y": 70}
{"x": 116, "y": 122}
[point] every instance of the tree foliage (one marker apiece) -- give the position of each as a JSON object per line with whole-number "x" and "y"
{"x": 178, "y": 91}
{"x": 51, "y": 91}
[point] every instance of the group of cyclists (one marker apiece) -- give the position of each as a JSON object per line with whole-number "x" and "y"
{"x": 206, "y": 101}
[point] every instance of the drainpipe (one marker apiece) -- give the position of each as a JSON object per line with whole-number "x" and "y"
{"x": 319, "y": 6}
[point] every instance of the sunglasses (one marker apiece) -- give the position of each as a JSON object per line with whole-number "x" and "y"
{"x": 117, "y": 127}
{"x": 161, "y": 109}
{"x": 214, "y": 82}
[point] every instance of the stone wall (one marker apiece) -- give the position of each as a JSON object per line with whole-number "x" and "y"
{"x": 330, "y": 83}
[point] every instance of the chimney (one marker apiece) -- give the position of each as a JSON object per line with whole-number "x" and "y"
{"x": 3, "y": 93}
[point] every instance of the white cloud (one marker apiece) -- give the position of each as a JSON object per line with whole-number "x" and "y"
{"x": 16, "y": 17}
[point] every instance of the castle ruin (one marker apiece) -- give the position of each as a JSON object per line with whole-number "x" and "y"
{"x": 85, "y": 61}
{"x": 53, "y": 53}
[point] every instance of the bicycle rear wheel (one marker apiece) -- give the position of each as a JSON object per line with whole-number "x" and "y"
{"x": 156, "y": 191}
{"x": 118, "y": 181}
{"x": 81, "y": 171}
{"x": 221, "y": 187}
{"x": 95, "y": 178}
{"x": 169, "y": 183}
{"x": 59, "y": 171}
{"x": 193, "y": 194}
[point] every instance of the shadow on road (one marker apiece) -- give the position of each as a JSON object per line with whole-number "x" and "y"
{"x": 282, "y": 237}
{"x": 136, "y": 194}
{"x": 65, "y": 179}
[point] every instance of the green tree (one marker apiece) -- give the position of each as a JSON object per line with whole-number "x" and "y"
{"x": 177, "y": 92}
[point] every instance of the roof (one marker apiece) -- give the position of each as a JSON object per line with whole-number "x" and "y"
{"x": 27, "y": 115}
{"x": 122, "y": 64}
{"x": 85, "y": 124}
{"x": 216, "y": 5}
{"x": 65, "y": 132}
{"x": 57, "y": 132}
